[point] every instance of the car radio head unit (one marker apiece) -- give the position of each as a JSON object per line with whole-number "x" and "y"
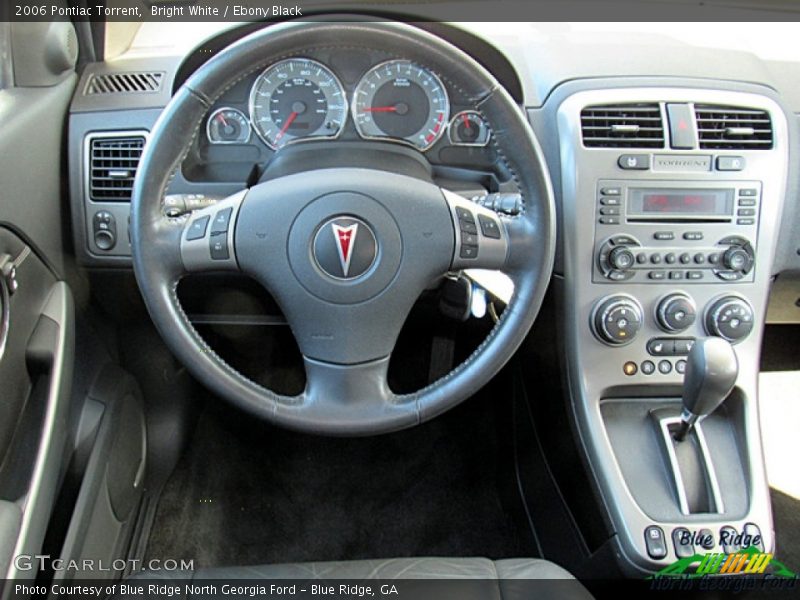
{"x": 695, "y": 231}
{"x": 660, "y": 204}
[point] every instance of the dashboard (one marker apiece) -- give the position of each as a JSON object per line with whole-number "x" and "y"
{"x": 676, "y": 186}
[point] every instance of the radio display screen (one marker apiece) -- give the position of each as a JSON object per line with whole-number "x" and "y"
{"x": 708, "y": 203}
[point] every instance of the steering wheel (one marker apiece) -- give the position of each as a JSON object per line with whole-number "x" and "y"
{"x": 347, "y": 246}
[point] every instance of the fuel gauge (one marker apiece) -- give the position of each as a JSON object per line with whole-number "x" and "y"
{"x": 228, "y": 126}
{"x": 468, "y": 129}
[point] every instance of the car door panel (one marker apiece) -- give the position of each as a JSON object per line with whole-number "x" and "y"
{"x": 37, "y": 334}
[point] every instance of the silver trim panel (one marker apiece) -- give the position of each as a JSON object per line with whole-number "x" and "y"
{"x": 595, "y": 370}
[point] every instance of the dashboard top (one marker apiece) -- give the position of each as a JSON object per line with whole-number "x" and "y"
{"x": 532, "y": 59}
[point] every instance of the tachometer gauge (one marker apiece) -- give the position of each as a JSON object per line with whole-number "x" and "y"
{"x": 297, "y": 98}
{"x": 228, "y": 126}
{"x": 401, "y": 100}
{"x": 468, "y": 129}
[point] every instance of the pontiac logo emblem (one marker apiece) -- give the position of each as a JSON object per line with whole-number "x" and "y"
{"x": 346, "y": 238}
{"x": 344, "y": 248}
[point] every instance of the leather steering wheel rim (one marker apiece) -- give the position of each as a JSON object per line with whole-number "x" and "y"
{"x": 334, "y": 403}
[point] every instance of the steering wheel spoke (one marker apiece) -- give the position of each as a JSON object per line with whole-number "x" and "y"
{"x": 481, "y": 239}
{"x": 207, "y": 240}
{"x": 331, "y": 384}
{"x": 487, "y": 240}
{"x": 348, "y": 399}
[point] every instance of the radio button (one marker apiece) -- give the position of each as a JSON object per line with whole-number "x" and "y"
{"x": 713, "y": 258}
{"x": 730, "y": 163}
{"x": 664, "y": 236}
{"x": 699, "y": 258}
{"x": 627, "y": 240}
{"x": 746, "y": 212}
{"x": 655, "y": 259}
{"x": 694, "y": 275}
{"x": 609, "y": 210}
{"x": 613, "y": 201}
{"x": 685, "y": 258}
{"x": 745, "y": 221}
{"x": 676, "y": 274}
{"x": 641, "y": 258}
{"x": 670, "y": 258}
{"x": 609, "y": 220}
{"x": 751, "y": 192}
{"x": 657, "y": 275}
{"x": 693, "y": 236}
{"x": 747, "y": 202}
{"x": 610, "y": 191}
{"x": 636, "y": 162}
{"x": 729, "y": 275}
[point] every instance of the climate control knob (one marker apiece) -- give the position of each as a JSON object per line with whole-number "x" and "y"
{"x": 616, "y": 320}
{"x": 730, "y": 318}
{"x": 676, "y": 312}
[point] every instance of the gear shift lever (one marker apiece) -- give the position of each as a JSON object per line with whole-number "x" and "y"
{"x": 711, "y": 371}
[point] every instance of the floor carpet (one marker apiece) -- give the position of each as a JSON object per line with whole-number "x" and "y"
{"x": 247, "y": 493}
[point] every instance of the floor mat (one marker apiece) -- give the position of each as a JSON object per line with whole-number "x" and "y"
{"x": 246, "y": 493}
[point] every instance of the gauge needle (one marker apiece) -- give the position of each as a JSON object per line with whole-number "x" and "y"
{"x": 222, "y": 119}
{"x": 381, "y": 109}
{"x": 466, "y": 121}
{"x": 286, "y": 125}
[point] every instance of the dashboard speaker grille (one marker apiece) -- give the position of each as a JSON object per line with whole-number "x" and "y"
{"x": 125, "y": 83}
{"x": 623, "y": 126}
{"x": 113, "y": 162}
{"x": 733, "y": 128}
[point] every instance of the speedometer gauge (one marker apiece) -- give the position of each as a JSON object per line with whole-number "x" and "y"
{"x": 297, "y": 98}
{"x": 401, "y": 100}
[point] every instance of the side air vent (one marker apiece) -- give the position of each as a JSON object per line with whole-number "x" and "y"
{"x": 125, "y": 83}
{"x": 112, "y": 165}
{"x": 733, "y": 128}
{"x": 622, "y": 126}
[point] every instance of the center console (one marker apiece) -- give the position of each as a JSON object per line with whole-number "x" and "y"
{"x": 671, "y": 202}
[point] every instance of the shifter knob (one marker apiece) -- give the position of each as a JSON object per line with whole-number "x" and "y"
{"x": 711, "y": 371}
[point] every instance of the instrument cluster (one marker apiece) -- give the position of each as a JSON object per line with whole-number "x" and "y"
{"x": 302, "y": 98}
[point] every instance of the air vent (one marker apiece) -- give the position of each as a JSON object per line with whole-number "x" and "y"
{"x": 732, "y": 128}
{"x": 112, "y": 167}
{"x": 622, "y": 126}
{"x": 125, "y": 83}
